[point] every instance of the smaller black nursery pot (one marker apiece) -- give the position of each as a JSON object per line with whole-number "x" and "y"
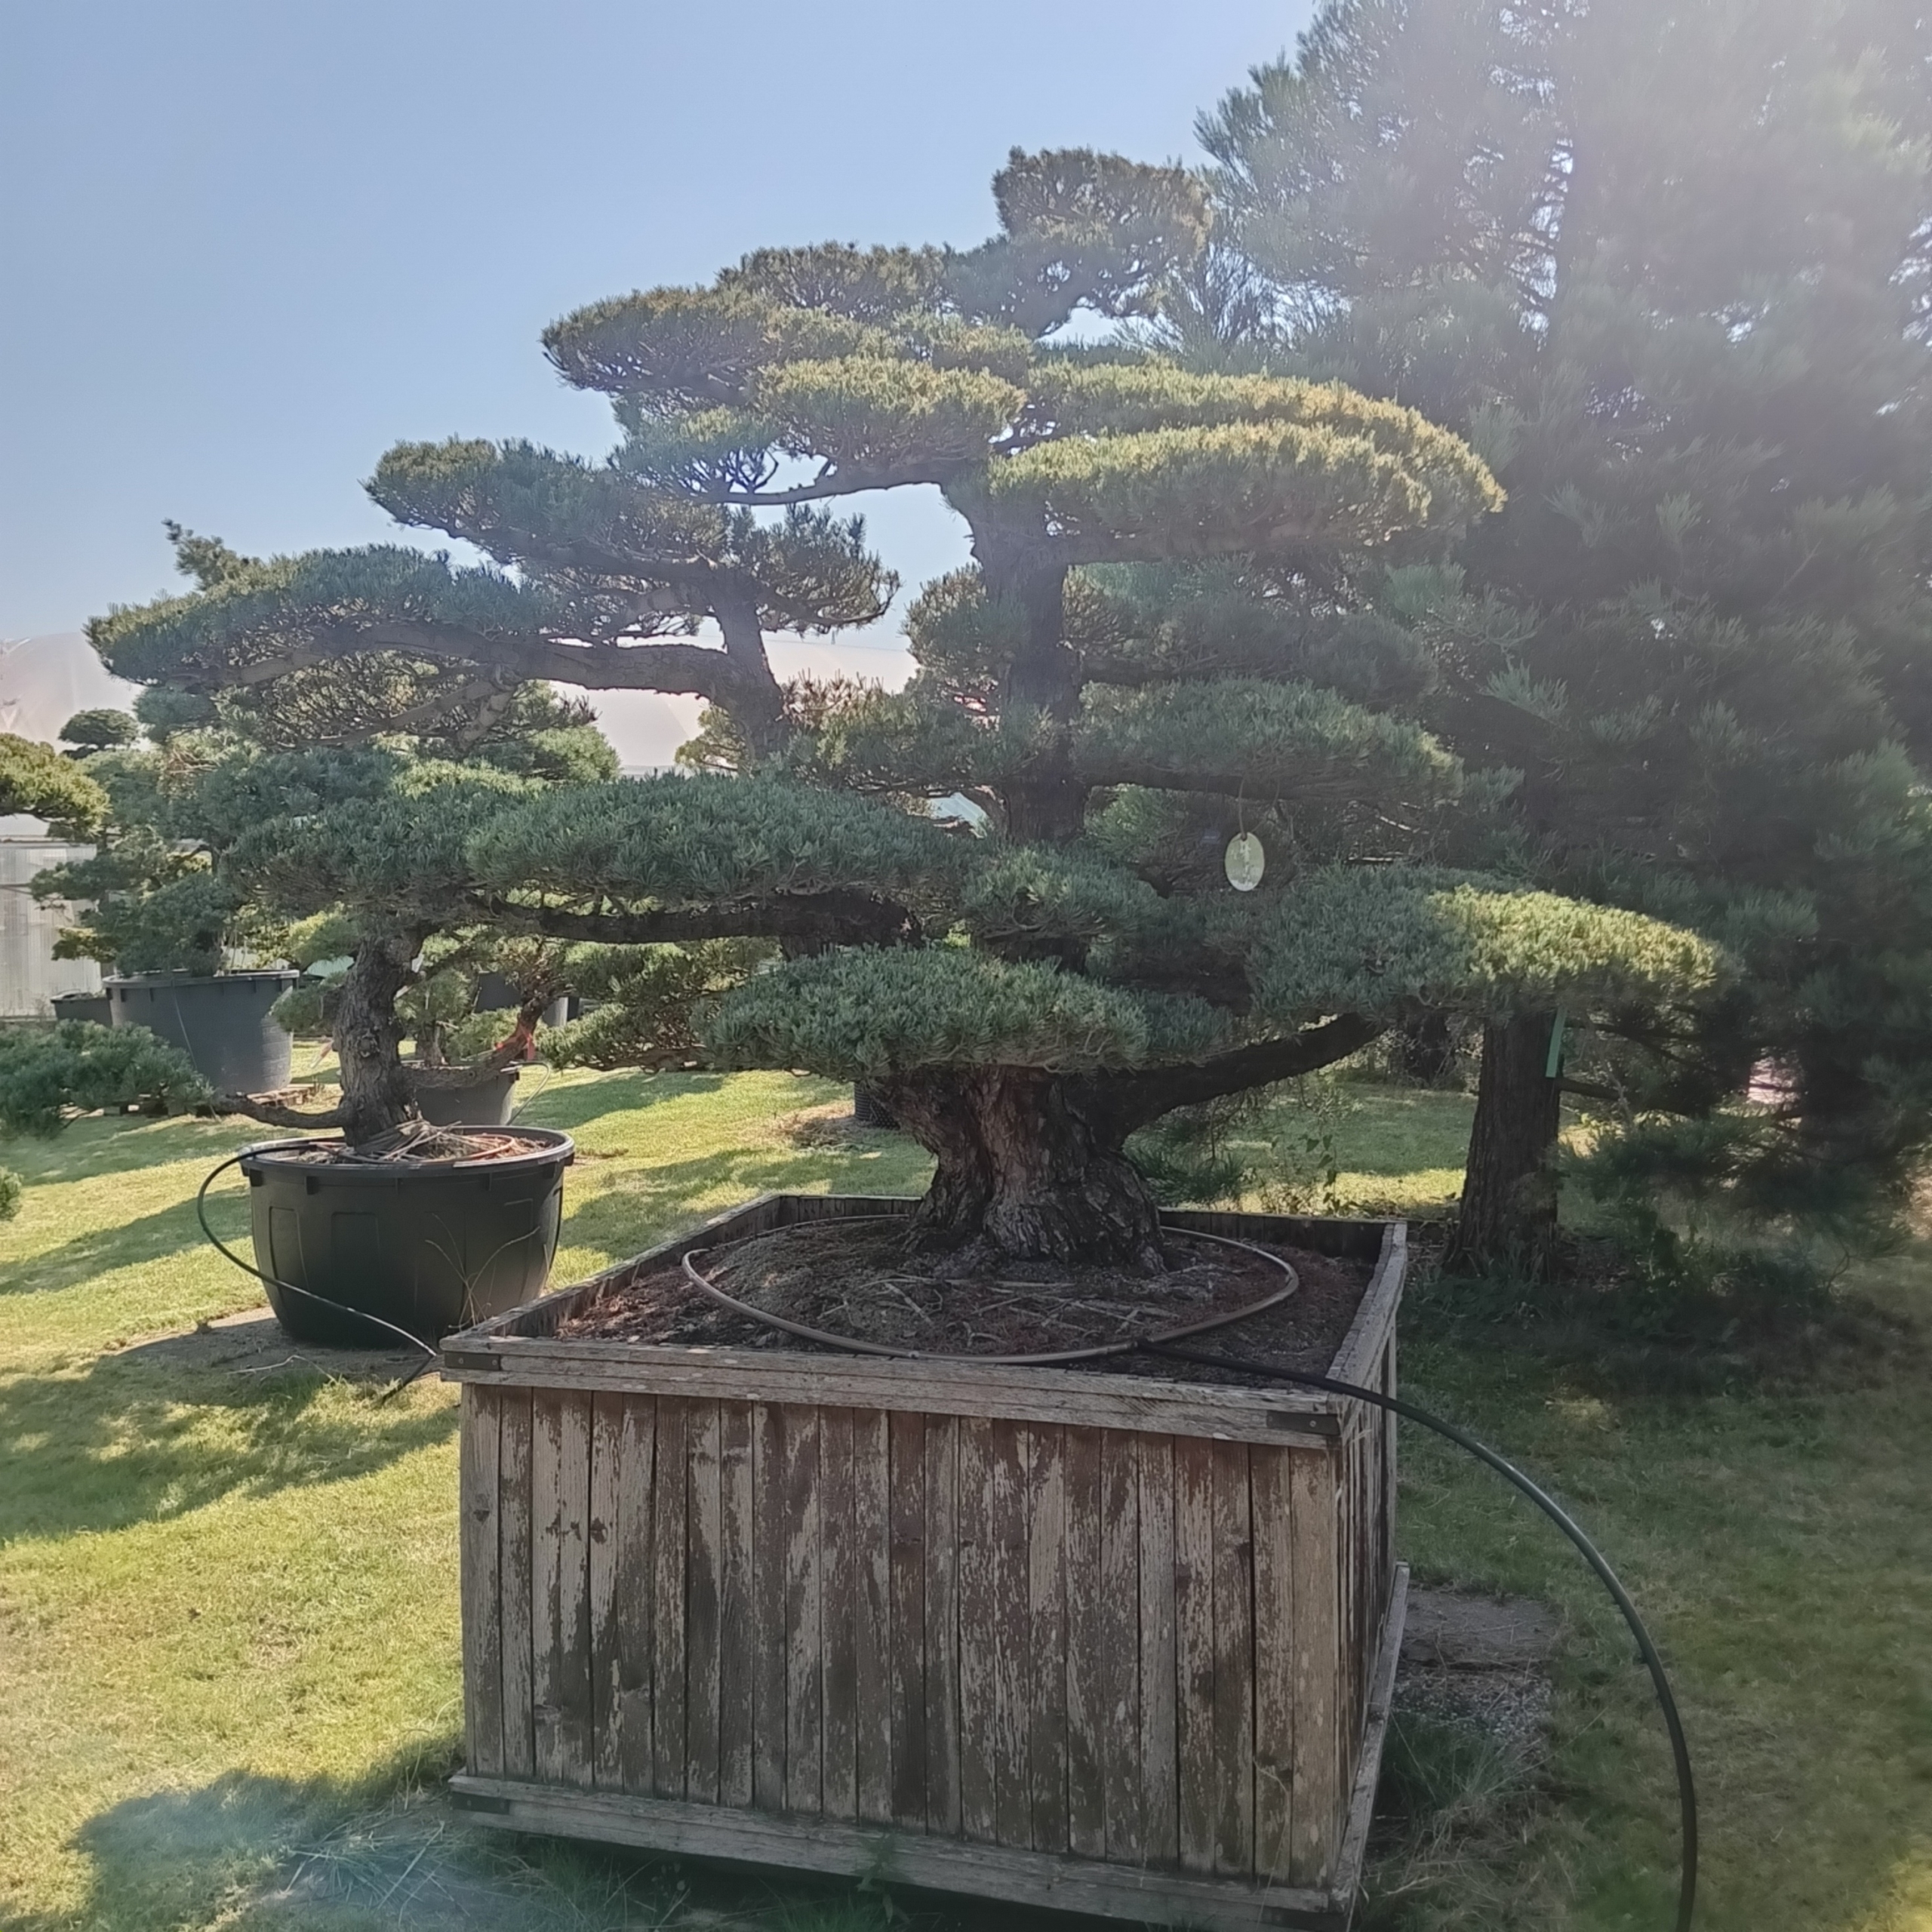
{"x": 428, "y": 1249}
{"x": 462, "y": 1099}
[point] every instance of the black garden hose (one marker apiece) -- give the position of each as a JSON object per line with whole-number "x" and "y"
{"x": 431, "y": 1356}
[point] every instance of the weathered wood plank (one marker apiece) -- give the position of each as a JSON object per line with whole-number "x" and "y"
{"x": 872, "y": 1618}
{"x": 768, "y": 1650}
{"x": 805, "y": 1770}
{"x": 574, "y": 1731}
{"x": 1375, "y": 1729}
{"x": 519, "y": 1738}
{"x": 480, "y": 1555}
{"x": 1053, "y": 1397}
{"x": 1159, "y": 1785}
{"x": 1375, "y": 1314}
{"x": 1234, "y": 1662}
{"x": 1120, "y": 1644}
{"x": 607, "y": 1419}
{"x": 735, "y": 1615}
{"x": 1272, "y": 1488}
{"x": 905, "y": 1637}
{"x": 670, "y": 1508}
{"x": 941, "y": 1626}
{"x": 978, "y": 1681}
{"x": 1046, "y": 1611}
{"x": 1088, "y": 1740}
{"x": 631, "y": 1532}
{"x": 1194, "y": 1650}
{"x": 841, "y": 1589}
{"x": 547, "y": 1565}
{"x": 704, "y": 1531}
{"x": 1316, "y": 1797}
{"x": 1006, "y": 1467}
{"x": 1028, "y": 1879}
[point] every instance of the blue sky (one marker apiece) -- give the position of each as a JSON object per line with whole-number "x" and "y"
{"x": 249, "y": 246}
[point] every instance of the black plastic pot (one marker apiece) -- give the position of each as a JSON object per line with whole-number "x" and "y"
{"x": 221, "y": 1021}
{"x": 428, "y": 1249}
{"x": 494, "y": 994}
{"x": 94, "y": 1006}
{"x": 484, "y": 1100}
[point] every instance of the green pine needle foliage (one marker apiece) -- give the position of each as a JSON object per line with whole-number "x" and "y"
{"x": 48, "y": 1075}
{"x": 862, "y": 1015}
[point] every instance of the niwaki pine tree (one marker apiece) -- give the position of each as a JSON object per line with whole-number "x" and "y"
{"x": 235, "y": 824}
{"x": 1153, "y": 656}
{"x": 1668, "y": 268}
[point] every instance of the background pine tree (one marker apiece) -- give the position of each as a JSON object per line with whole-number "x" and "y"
{"x": 1667, "y": 267}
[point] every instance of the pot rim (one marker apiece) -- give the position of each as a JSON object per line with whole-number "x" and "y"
{"x": 552, "y": 1147}
{"x": 181, "y": 975}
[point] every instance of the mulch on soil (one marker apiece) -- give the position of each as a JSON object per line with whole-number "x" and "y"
{"x": 867, "y": 1280}
{"x": 420, "y": 1145}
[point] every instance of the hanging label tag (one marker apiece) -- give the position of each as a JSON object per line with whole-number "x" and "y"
{"x": 1245, "y": 862}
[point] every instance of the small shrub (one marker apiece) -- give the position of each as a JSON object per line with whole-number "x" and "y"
{"x": 47, "y": 1074}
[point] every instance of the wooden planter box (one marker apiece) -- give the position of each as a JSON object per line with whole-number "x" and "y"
{"x": 1101, "y": 1642}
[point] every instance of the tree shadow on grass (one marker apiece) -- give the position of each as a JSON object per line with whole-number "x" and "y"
{"x": 578, "y": 1105}
{"x": 115, "y": 1144}
{"x": 133, "y": 1441}
{"x": 148, "y": 1237}
{"x": 254, "y": 1852}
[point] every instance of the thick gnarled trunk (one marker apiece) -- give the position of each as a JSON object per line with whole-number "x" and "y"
{"x": 376, "y": 1094}
{"x": 1508, "y": 1218}
{"x": 1024, "y": 1171}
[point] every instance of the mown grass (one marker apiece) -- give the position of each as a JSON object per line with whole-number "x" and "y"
{"x": 228, "y": 1629}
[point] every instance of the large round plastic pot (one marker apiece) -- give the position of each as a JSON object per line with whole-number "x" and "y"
{"x": 82, "y": 1006}
{"x": 483, "y": 1101}
{"x": 221, "y": 1021}
{"x": 428, "y": 1249}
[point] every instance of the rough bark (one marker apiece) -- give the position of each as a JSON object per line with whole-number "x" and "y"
{"x": 1046, "y": 802}
{"x": 1023, "y": 1171}
{"x": 376, "y": 1094}
{"x": 1508, "y": 1218}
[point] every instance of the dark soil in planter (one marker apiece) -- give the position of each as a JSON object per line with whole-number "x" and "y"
{"x": 869, "y": 1281}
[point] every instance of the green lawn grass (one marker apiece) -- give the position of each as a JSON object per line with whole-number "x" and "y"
{"x": 228, "y": 1626}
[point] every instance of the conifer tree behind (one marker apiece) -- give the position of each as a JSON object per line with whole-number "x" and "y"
{"x": 1152, "y": 640}
{"x": 1669, "y": 268}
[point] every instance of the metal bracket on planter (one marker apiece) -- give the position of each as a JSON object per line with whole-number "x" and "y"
{"x": 472, "y": 1363}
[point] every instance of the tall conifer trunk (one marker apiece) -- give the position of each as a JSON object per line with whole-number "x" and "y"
{"x": 1509, "y": 1210}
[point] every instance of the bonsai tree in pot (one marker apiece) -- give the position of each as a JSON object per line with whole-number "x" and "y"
{"x": 1154, "y": 654}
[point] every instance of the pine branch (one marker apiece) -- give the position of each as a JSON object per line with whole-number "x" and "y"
{"x": 272, "y": 1114}
{"x": 1118, "y": 1103}
{"x": 820, "y": 919}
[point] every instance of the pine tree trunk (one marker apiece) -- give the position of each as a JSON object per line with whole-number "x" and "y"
{"x": 376, "y": 1094}
{"x": 1424, "y": 1048}
{"x": 1021, "y": 1171}
{"x": 1508, "y": 1211}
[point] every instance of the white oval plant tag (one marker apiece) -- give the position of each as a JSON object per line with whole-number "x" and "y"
{"x": 1245, "y": 862}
